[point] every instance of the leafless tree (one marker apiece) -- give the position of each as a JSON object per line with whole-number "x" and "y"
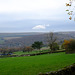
{"x": 51, "y": 39}
{"x": 71, "y": 9}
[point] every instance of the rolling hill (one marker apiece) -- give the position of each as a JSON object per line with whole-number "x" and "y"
{"x": 26, "y": 39}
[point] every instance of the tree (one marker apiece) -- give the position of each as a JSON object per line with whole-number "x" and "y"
{"x": 69, "y": 45}
{"x": 51, "y": 39}
{"x": 37, "y": 45}
{"x": 66, "y": 44}
{"x": 27, "y": 49}
{"x": 4, "y": 50}
{"x": 24, "y": 49}
{"x": 71, "y": 9}
{"x": 10, "y": 50}
{"x": 55, "y": 46}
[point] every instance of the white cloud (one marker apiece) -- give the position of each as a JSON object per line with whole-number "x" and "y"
{"x": 41, "y": 26}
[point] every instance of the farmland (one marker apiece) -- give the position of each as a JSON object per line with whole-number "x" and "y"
{"x": 33, "y": 65}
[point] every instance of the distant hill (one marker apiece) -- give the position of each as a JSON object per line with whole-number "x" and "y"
{"x": 26, "y": 39}
{"x": 18, "y": 34}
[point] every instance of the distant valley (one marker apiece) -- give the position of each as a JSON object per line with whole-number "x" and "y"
{"x": 26, "y": 39}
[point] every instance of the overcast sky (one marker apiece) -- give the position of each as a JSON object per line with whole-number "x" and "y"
{"x": 34, "y": 16}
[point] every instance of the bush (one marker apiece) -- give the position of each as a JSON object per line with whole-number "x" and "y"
{"x": 69, "y": 45}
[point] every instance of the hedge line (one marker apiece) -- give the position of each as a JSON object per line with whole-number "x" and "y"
{"x": 32, "y": 54}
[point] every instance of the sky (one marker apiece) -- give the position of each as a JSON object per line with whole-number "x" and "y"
{"x": 34, "y": 16}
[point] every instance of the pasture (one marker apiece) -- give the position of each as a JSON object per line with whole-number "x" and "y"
{"x": 33, "y": 65}
{"x": 31, "y": 52}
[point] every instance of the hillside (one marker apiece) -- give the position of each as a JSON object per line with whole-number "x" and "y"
{"x": 26, "y": 39}
{"x": 33, "y": 65}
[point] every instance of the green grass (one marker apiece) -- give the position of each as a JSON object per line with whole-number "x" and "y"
{"x": 33, "y": 52}
{"x": 32, "y": 65}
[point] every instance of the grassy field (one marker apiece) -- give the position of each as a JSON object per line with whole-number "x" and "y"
{"x": 32, "y": 52}
{"x": 32, "y": 65}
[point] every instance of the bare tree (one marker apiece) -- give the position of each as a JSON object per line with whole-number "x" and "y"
{"x": 51, "y": 39}
{"x": 71, "y": 9}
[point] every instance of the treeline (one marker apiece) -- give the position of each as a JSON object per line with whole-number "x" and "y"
{"x": 11, "y": 50}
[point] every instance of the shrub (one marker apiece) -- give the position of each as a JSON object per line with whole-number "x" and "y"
{"x": 69, "y": 45}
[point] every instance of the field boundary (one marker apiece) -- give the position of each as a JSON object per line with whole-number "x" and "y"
{"x": 70, "y": 70}
{"x": 50, "y": 52}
